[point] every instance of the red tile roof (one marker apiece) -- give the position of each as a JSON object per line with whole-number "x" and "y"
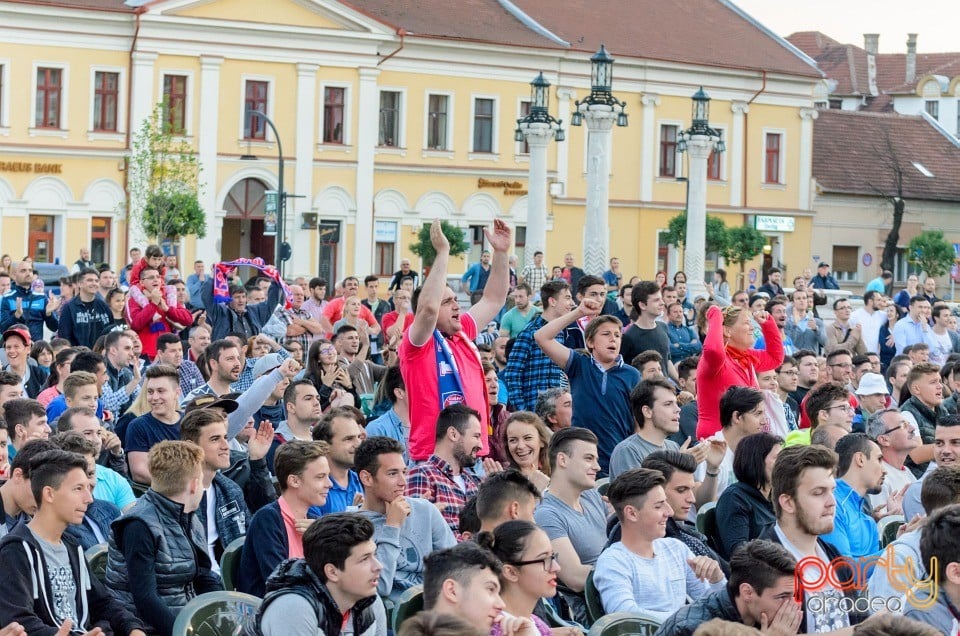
{"x": 847, "y": 64}
{"x": 95, "y": 5}
{"x": 852, "y": 155}
{"x": 471, "y": 20}
{"x": 707, "y": 32}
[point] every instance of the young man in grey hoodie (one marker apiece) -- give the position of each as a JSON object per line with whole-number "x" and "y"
{"x": 406, "y": 529}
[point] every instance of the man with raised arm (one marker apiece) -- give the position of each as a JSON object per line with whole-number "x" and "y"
{"x": 437, "y": 353}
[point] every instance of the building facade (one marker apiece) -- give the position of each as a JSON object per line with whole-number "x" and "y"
{"x": 387, "y": 119}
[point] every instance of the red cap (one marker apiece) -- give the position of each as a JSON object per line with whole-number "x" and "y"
{"x": 18, "y": 331}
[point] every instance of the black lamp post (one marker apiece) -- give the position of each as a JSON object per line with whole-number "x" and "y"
{"x": 700, "y": 124}
{"x": 283, "y": 249}
{"x": 539, "y": 103}
{"x": 601, "y": 85}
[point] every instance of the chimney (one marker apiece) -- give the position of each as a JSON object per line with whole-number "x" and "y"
{"x": 911, "y": 74}
{"x": 871, "y": 42}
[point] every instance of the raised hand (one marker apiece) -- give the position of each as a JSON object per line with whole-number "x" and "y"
{"x": 259, "y": 445}
{"x": 438, "y": 238}
{"x": 589, "y": 307}
{"x": 500, "y": 238}
{"x": 53, "y": 302}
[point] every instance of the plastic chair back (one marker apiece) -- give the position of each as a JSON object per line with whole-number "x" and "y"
{"x": 218, "y": 614}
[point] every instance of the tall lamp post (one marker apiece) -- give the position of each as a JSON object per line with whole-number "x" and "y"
{"x": 601, "y": 109}
{"x": 699, "y": 140}
{"x": 279, "y": 198}
{"x": 537, "y": 129}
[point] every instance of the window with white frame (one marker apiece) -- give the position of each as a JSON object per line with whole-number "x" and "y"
{"x": 106, "y": 101}
{"x": 846, "y": 259}
{"x": 773, "y": 158}
{"x": 524, "y": 111}
{"x": 385, "y": 233}
{"x": 390, "y": 103}
{"x": 668, "y": 150}
{"x": 483, "y": 124}
{"x": 438, "y": 122}
{"x": 334, "y": 114}
{"x": 932, "y": 106}
{"x": 255, "y": 100}
{"x": 4, "y": 93}
{"x": 175, "y": 103}
{"x": 48, "y": 100}
{"x": 715, "y": 165}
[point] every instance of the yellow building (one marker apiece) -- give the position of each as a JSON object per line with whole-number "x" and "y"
{"x": 389, "y": 117}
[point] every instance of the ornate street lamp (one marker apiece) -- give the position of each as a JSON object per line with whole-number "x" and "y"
{"x": 537, "y": 129}
{"x": 601, "y": 109}
{"x": 601, "y": 87}
{"x": 699, "y": 140}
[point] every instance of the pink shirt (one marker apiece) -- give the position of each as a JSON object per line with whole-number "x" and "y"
{"x": 419, "y": 368}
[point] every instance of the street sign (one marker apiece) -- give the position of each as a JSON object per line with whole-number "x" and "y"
{"x": 752, "y": 275}
{"x": 774, "y": 223}
{"x": 270, "y": 207}
{"x": 867, "y": 259}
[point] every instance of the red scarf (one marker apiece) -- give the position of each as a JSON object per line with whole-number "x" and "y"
{"x": 741, "y": 357}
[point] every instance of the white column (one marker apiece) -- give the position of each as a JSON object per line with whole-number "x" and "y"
{"x": 538, "y": 138}
{"x": 648, "y": 148}
{"x": 596, "y": 237}
{"x": 807, "y": 115}
{"x": 143, "y": 92}
{"x": 698, "y": 149}
{"x": 303, "y": 261}
{"x": 735, "y": 146}
{"x": 564, "y": 95}
{"x": 368, "y": 117}
{"x": 208, "y": 247}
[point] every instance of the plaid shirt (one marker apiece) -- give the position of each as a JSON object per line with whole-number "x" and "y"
{"x": 287, "y": 316}
{"x": 190, "y": 377}
{"x": 433, "y": 480}
{"x": 530, "y": 371}
{"x": 535, "y": 276}
{"x": 246, "y": 376}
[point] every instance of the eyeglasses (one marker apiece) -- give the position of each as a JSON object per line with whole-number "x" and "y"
{"x": 846, "y": 365}
{"x": 904, "y": 424}
{"x": 328, "y": 350}
{"x": 546, "y": 561}
{"x": 845, "y": 407}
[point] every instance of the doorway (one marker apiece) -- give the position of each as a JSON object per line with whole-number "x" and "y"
{"x": 242, "y": 235}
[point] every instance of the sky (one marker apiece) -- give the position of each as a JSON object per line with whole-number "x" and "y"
{"x": 847, "y": 20}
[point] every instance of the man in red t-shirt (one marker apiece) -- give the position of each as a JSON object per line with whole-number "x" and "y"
{"x": 333, "y": 311}
{"x": 449, "y": 365}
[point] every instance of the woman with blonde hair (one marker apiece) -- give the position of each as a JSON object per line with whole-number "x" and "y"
{"x": 525, "y": 439}
{"x": 729, "y": 359}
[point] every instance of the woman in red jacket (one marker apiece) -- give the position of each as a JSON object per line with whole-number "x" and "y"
{"x": 729, "y": 359}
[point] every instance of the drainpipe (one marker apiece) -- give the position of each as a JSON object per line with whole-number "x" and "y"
{"x": 401, "y": 32}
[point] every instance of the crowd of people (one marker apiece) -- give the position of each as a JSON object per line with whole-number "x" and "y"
{"x": 723, "y": 463}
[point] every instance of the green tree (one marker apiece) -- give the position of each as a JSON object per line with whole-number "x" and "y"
{"x": 424, "y": 247}
{"x": 716, "y": 233}
{"x": 744, "y": 243}
{"x": 164, "y": 186}
{"x": 931, "y": 252}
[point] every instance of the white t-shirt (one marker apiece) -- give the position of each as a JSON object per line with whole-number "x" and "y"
{"x": 870, "y": 325}
{"x": 212, "y": 535}
{"x": 943, "y": 347}
{"x": 895, "y": 480}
